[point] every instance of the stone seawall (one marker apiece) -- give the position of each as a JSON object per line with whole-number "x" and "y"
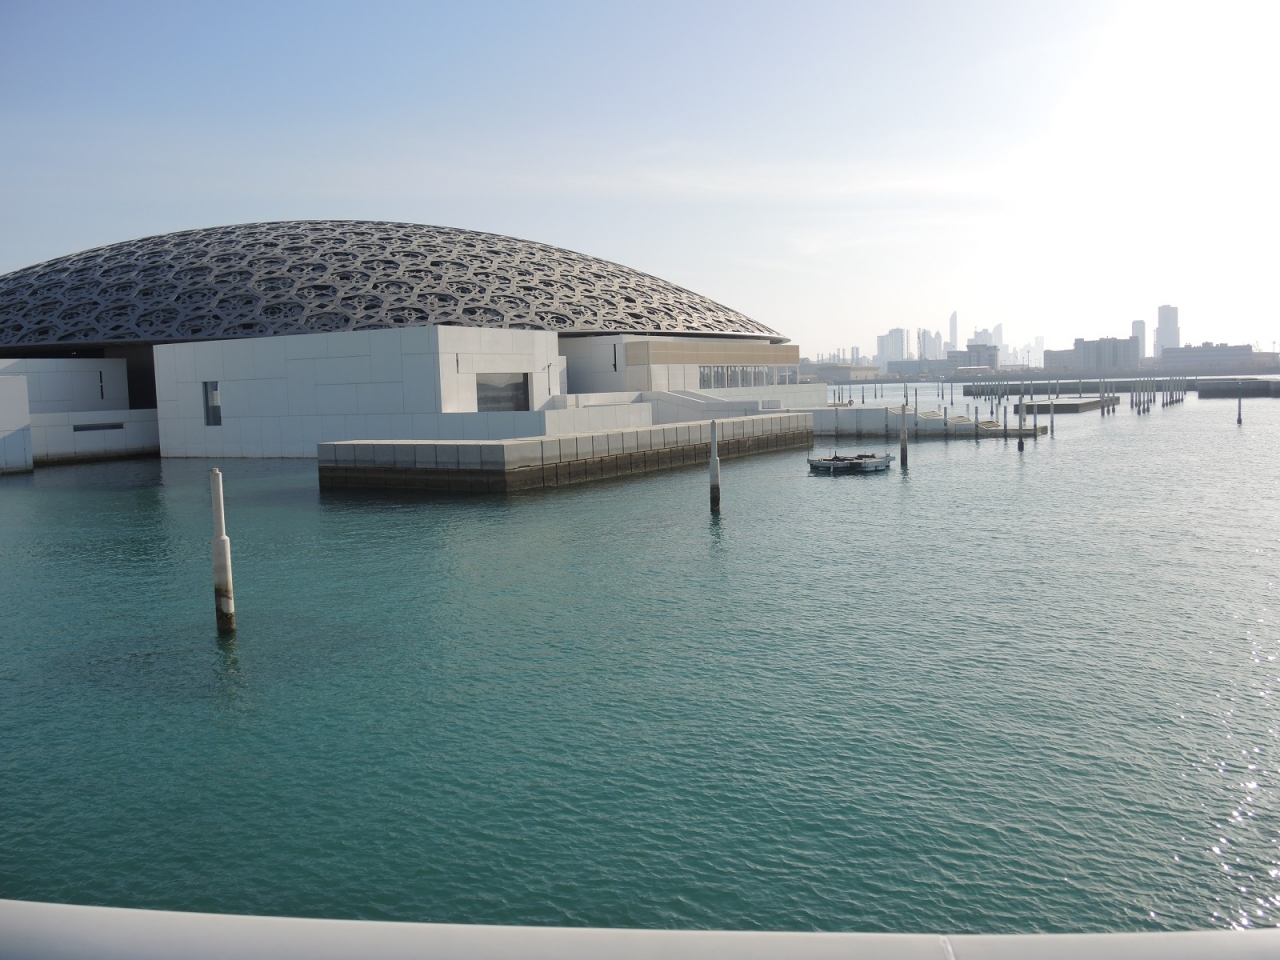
{"x": 504, "y": 466}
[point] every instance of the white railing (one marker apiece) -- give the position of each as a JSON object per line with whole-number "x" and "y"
{"x": 48, "y": 931}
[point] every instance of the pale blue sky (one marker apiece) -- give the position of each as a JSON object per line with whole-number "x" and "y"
{"x": 832, "y": 170}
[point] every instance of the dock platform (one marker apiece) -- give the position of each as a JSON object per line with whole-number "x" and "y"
{"x": 505, "y": 466}
{"x": 1067, "y": 405}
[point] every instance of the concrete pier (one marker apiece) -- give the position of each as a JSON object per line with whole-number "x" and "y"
{"x": 56, "y": 931}
{"x": 883, "y": 423}
{"x": 505, "y": 466}
{"x": 1070, "y": 405}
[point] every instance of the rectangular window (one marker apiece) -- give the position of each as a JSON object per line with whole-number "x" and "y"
{"x": 735, "y": 376}
{"x": 719, "y": 377}
{"x": 82, "y": 427}
{"x": 499, "y": 392}
{"x": 768, "y": 376}
{"x": 212, "y": 404}
{"x": 704, "y": 378}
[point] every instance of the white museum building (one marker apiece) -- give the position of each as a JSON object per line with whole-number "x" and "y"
{"x": 264, "y": 340}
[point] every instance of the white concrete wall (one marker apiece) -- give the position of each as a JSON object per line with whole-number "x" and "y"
{"x": 591, "y": 367}
{"x": 689, "y": 406}
{"x": 598, "y": 365}
{"x": 56, "y": 931}
{"x": 790, "y": 394}
{"x": 102, "y": 434}
{"x": 673, "y": 376}
{"x": 15, "y": 426}
{"x": 465, "y": 351}
{"x": 64, "y": 385}
{"x": 589, "y": 418}
{"x": 282, "y": 395}
{"x": 881, "y": 421}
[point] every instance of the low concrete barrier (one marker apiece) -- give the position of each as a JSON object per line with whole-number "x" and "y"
{"x": 504, "y": 466}
{"x": 49, "y": 931}
{"x": 875, "y": 423}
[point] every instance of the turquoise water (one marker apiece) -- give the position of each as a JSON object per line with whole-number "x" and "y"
{"x": 1003, "y": 693}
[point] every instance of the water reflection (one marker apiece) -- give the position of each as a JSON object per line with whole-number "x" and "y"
{"x": 230, "y": 680}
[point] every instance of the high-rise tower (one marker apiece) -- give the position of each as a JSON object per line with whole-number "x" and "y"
{"x": 1140, "y": 331}
{"x": 1167, "y": 334}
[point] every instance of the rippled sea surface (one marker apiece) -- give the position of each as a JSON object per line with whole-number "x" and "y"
{"x": 1005, "y": 692}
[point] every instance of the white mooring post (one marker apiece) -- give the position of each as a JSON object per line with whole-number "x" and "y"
{"x": 902, "y": 436}
{"x": 715, "y": 468}
{"x": 1022, "y": 418}
{"x": 223, "y": 594}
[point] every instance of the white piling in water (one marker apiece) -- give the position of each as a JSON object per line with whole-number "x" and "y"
{"x": 1022, "y": 417}
{"x": 1239, "y": 404}
{"x": 902, "y": 437}
{"x": 715, "y": 468}
{"x": 223, "y": 594}
{"x": 1051, "y": 399}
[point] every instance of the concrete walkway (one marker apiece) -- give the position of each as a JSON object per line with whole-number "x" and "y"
{"x": 46, "y": 931}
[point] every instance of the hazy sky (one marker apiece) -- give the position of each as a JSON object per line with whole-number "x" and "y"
{"x": 832, "y": 170}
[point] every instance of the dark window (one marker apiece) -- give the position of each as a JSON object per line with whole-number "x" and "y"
{"x": 81, "y": 427}
{"x": 704, "y": 378}
{"x": 496, "y": 392}
{"x": 212, "y": 404}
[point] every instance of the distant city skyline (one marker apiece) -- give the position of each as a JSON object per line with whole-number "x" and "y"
{"x": 832, "y": 171}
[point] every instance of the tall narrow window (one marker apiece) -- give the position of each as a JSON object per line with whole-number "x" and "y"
{"x": 212, "y": 404}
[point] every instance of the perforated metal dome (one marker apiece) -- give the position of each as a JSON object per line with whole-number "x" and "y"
{"x": 274, "y": 279}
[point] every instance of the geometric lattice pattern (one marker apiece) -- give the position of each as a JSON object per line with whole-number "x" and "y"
{"x": 273, "y": 279}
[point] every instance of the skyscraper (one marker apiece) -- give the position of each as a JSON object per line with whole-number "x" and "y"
{"x": 1140, "y": 331}
{"x": 1167, "y": 334}
{"x": 954, "y": 342}
{"x": 894, "y": 345}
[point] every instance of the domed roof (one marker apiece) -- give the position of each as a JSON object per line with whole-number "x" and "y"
{"x": 272, "y": 279}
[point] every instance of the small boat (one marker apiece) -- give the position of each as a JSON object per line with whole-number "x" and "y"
{"x": 858, "y": 463}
